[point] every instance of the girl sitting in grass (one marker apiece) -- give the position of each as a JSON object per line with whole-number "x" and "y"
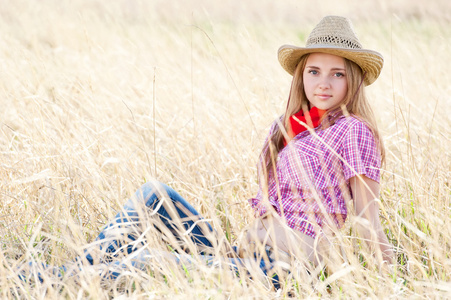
{"x": 323, "y": 152}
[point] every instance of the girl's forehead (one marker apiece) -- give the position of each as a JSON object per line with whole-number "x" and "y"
{"x": 325, "y": 59}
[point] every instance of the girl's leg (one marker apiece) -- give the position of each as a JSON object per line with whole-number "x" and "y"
{"x": 174, "y": 216}
{"x": 153, "y": 205}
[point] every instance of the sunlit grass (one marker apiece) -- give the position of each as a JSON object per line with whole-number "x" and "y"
{"x": 98, "y": 99}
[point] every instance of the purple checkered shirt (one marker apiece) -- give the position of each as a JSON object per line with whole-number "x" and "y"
{"x": 312, "y": 184}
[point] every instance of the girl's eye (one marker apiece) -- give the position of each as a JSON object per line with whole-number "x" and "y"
{"x": 339, "y": 75}
{"x": 313, "y": 72}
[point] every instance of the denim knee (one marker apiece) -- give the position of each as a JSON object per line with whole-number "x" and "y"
{"x": 148, "y": 194}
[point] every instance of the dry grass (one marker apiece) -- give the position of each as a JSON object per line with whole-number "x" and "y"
{"x": 98, "y": 99}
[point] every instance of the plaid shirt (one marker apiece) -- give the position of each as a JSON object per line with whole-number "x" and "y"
{"x": 312, "y": 184}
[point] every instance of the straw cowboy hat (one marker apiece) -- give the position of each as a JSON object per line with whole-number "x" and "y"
{"x": 334, "y": 35}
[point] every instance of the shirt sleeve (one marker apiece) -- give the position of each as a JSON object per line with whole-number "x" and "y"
{"x": 257, "y": 206}
{"x": 361, "y": 153}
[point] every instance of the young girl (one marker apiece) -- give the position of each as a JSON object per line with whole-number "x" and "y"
{"x": 322, "y": 152}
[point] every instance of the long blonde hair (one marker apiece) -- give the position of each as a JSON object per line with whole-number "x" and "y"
{"x": 355, "y": 103}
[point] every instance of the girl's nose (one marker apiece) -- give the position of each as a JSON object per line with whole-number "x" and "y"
{"x": 324, "y": 83}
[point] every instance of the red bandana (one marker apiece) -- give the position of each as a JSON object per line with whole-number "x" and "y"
{"x": 313, "y": 121}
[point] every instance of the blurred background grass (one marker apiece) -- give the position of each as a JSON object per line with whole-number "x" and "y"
{"x": 99, "y": 97}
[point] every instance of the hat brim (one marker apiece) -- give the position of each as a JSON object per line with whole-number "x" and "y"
{"x": 371, "y": 62}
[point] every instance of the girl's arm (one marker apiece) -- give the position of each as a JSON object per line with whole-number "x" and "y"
{"x": 365, "y": 191}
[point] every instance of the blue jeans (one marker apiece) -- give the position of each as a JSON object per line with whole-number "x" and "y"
{"x": 118, "y": 236}
{"x": 172, "y": 217}
{"x": 157, "y": 209}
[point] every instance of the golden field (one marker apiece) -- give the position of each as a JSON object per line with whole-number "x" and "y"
{"x": 98, "y": 97}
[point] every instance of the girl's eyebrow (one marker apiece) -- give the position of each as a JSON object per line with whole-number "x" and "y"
{"x": 333, "y": 69}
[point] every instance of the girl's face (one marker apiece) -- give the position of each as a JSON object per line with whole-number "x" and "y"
{"x": 325, "y": 82}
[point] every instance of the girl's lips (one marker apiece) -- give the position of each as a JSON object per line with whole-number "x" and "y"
{"x": 323, "y": 96}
